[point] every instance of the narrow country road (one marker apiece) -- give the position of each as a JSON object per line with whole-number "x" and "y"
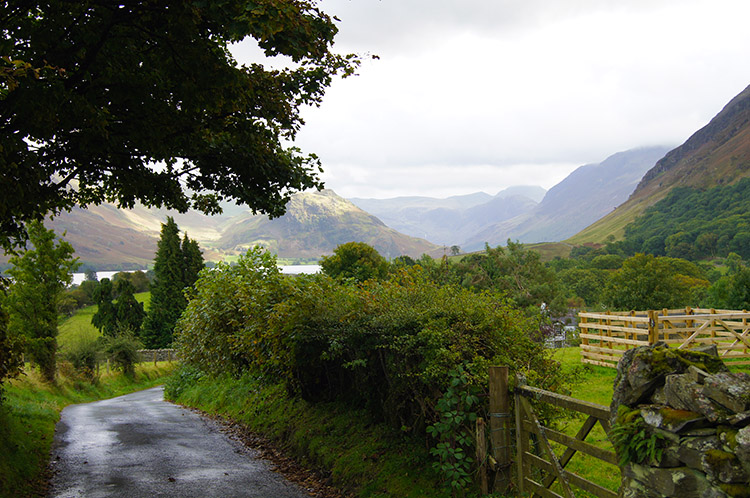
{"x": 139, "y": 445}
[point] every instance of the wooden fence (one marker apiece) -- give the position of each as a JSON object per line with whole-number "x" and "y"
{"x": 538, "y": 470}
{"x": 606, "y": 336}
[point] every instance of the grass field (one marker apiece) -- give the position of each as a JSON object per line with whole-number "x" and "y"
{"x": 78, "y": 327}
{"x": 31, "y": 409}
{"x": 594, "y": 384}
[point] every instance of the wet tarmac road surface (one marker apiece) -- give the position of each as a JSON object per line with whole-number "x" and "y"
{"x": 139, "y": 445}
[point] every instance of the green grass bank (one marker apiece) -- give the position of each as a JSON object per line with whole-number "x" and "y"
{"x": 362, "y": 457}
{"x": 31, "y": 409}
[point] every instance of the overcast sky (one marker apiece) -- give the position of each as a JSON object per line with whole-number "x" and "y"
{"x": 479, "y": 95}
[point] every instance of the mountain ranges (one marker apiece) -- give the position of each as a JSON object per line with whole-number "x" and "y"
{"x": 593, "y": 203}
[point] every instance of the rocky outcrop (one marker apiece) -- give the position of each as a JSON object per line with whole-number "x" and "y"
{"x": 681, "y": 424}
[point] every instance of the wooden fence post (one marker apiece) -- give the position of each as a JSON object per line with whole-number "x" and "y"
{"x": 482, "y": 455}
{"x": 521, "y": 441}
{"x": 499, "y": 428}
{"x": 154, "y": 357}
{"x": 653, "y": 327}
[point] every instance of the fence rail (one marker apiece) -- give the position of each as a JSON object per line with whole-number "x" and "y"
{"x": 552, "y": 466}
{"x": 606, "y": 336}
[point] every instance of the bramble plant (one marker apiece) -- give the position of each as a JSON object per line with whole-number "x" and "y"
{"x": 453, "y": 432}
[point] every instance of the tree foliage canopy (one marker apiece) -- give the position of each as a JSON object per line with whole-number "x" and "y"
{"x": 40, "y": 275}
{"x": 95, "y": 94}
{"x": 694, "y": 224}
{"x": 646, "y": 282}
{"x": 355, "y": 260}
{"x": 105, "y": 318}
{"x": 514, "y": 270}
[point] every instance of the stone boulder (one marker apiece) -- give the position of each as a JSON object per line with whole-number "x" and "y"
{"x": 643, "y": 370}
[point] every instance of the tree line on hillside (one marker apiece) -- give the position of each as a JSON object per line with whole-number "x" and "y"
{"x": 693, "y": 224}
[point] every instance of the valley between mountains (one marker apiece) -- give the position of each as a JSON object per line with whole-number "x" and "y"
{"x": 594, "y": 202}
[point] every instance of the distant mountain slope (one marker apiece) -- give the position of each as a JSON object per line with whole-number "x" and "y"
{"x": 106, "y": 237}
{"x": 102, "y": 241}
{"x": 451, "y": 220}
{"x": 314, "y": 224}
{"x": 717, "y": 154}
{"x": 587, "y": 194}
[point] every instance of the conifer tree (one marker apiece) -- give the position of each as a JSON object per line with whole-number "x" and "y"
{"x": 167, "y": 300}
{"x": 193, "y": 261}
{"x": 176, "y": 266}
{"x": 105, "y": 318}
{"x": 128, "y": 312}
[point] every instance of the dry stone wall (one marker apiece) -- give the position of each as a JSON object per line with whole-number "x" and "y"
{"x": 157, "y": 354}
{"x": 681, "y": 424}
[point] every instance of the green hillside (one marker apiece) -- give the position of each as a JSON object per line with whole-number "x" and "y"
{"x": 695, "y": 224}
{"x": 716, "y": 155}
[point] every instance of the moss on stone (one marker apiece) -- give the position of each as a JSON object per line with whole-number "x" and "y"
{"x": 736, "y": 490}
{"x": 706, "y": 362}
{"x": 625, "y": 415}
{"x": 716, "y": 457}
{"x": 673, "y": 416}
{"x": 728, "y": 436}
{"x": 664, "y": 360}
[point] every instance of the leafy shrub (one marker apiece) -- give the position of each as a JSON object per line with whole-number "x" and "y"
{"x": 84, "y": 355}
{"x": 391, "y": 346}
{"x": 122, "y": 351}
{"x": 645, "y": 282}
{"x": 453, "y": 431}
{"x": 11, "y": 348}
{"x": 388, "y": 346}
{"x": 355, "y": 260}
{"x": 223, "y": 327}
{"x": 183, "y": 378}
{"x": 633, "y": 440}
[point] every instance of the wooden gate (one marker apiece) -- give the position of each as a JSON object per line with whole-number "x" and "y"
{"x": 552, "y": 466}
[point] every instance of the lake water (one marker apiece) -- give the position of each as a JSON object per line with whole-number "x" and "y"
{"x": 286, "y": 269}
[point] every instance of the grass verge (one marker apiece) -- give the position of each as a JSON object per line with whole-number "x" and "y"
{"x": 362, "y": 457}
{"x": 31, "y": 409}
